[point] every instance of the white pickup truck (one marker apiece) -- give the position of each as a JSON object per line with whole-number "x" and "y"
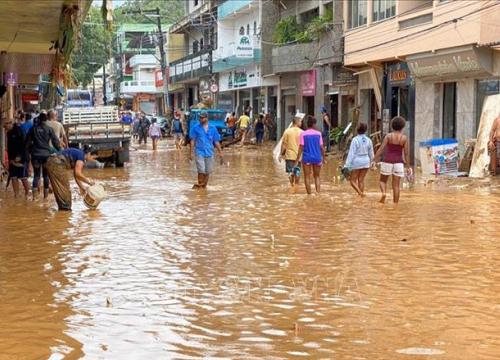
{"x": 100, "y": 127}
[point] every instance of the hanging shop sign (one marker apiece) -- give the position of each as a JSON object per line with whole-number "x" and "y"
{"x": 158, "y": 78}
{"x": 204, "y": 87}
{"x": 460, "y": 61}
{"x": 214, "y": 88}
{"x": 308, "y": 82}
{"x": 244, "y": 47}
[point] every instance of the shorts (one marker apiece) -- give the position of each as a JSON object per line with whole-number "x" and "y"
{"x": 389, "y": 169}
{"x": 178, "y": 136}
{"x": 289, "y": 165}
{"x": 18, "y": 172}
{"x": 204, "y": 165}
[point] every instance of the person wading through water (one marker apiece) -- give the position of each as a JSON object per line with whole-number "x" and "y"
{"x": 18, "y": 165}
{"x": 396, "y": 152}
{"x": 203, "y": 139}
{"x": 40, "y": 138}
{"x": 57, "y": 166}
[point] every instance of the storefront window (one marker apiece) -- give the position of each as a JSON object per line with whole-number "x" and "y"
{"x": 357, "y": 12}
{"x": 449, "y": 110}
{"x": 383, "y": 9}
{"x": 485, "y": 88}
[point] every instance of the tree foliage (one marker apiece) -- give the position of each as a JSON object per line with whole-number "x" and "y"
{"x": 96, "y": 44}
{"x": 94, "y": 48}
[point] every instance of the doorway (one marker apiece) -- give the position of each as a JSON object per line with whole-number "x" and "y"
{"x": 308, "y": 102}
{"x": 334, "y": 110}
{"x": 449, "y": 117}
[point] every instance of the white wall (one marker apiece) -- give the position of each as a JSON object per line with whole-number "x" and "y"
{"x": 228, "y": 32}
{"x": 192, "y": 7}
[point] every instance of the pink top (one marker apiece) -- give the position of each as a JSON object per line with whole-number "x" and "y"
{"x": 154, "y": 130}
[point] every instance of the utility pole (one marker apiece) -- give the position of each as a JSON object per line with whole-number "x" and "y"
{"x": 104, "y": 97}
{"x": 164, "y": 66}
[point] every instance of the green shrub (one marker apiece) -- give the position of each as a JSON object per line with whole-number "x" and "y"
{"x": 289, "y": 31}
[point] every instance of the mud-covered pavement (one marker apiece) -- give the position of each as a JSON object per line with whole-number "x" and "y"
{"x": 249, "y": 269}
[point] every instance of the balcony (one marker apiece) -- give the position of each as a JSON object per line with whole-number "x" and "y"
{"x": 190, "y": 67}
{"x": 135, "y": 86}
{"x": 234, "y": 8}
{"x": 143, "y": 60}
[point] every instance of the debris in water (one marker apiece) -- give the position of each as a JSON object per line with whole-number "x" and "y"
{"x": 403, "y": 239}
{"x": 296, "y": 329}
{"x": 472, "y": 221}
{"x": 108, "y": 302}
{"x": 272, "y": 241}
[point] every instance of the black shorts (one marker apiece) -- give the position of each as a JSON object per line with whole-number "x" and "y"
{"x": 19, "y": 172}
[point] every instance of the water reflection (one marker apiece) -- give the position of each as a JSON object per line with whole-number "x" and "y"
{"x": 249, "y": 269}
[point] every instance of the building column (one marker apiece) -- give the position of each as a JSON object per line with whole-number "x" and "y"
{"x": 321, "y": 8}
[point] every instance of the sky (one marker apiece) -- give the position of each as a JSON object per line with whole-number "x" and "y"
{"x": 116, "y": 3}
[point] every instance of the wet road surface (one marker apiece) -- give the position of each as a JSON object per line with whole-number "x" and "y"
{"x": 249, "y": 270}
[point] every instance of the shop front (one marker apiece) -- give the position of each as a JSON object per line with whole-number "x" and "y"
{"x": 451, "y": 85}
{"x": 244, "y": 89}
{"x": 340, "y": 96}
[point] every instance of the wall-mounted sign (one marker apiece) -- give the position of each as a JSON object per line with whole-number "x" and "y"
{"x": 244, "y": 47}
{"x": 237, "y": 78}
{"x": 398, "y": 74}
{"x": 214, "y": 88}
{"x": 27, "y": 97}
{"x": 204, "y": 87}
{"x": 457, "y": 62}
{"x": 308, "y": 83}
{"x": 342, "y": 77}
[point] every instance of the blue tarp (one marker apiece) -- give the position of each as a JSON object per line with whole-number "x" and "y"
{"x": 438, "y": 142}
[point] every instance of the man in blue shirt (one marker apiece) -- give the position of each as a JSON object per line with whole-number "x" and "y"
{"x": 203, "y": 139}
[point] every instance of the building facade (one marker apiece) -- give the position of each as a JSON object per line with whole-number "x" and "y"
{"x": 307, "y": 64}
{"x": 136, "y": 65}
{"x": 238, "y": 59}
{"x": 190, "y": 45}
{"x": 432, "y": 61}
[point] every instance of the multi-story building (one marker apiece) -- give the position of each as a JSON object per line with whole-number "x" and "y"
{"x": 238, "y": 59}
{"x": 137, "y": 46}
{"x": 431, "y": 61}
{"x": 190, "y": 45}
{"x": 306, "y": 59}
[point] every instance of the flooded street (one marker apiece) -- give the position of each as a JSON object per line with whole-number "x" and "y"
{"x": 248, "y": 269}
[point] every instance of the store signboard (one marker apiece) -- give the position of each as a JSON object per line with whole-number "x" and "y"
{"x": 244, "y": 47}
{"x": 158, "y": 78}
{"x": 398, "y": 74}
{"x": 308, "y": 82}
{"x": 456, "y": 62}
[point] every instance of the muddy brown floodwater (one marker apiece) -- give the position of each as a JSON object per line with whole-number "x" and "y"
{"x": 249, "y": 270}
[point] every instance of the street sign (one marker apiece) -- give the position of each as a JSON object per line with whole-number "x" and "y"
{"x": 214, "y": 88}
{"x": 122, "y": 102}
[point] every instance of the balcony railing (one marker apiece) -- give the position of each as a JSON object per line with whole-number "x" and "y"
{"x": 135, "y": 86}
{"x": 191, "y": 66}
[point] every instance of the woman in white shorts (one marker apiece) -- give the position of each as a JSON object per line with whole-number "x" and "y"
{"x": 395, "y": 149}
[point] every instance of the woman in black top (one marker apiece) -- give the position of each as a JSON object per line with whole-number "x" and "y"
{"x": 259, "y": 129}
